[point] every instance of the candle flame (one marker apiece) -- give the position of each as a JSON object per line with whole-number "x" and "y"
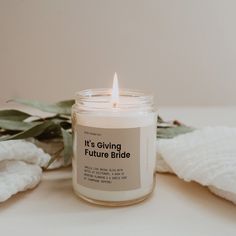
{"x": 115, "y": 91}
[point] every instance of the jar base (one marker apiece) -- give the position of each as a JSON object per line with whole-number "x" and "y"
{"x": 115, "y": 203}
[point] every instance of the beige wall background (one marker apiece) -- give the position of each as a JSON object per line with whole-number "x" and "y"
{"x": 183, "y": 51}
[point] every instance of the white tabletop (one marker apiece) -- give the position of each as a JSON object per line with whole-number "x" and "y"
{"x": 176, "y": 207}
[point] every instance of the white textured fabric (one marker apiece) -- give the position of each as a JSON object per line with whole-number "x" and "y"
{"x": 21, "y": 150}
{"x": 20, "y": 166}
{"x": 207, "y": 156}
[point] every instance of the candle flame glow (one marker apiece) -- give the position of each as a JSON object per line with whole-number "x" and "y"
{"x": 115, "y": 91}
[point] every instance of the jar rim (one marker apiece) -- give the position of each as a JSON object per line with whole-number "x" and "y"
{"x": 90, "y": 93}
{"x": 100, "y": 99}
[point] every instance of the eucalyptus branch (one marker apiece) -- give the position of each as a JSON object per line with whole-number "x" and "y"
{"x": 16, "y": 124}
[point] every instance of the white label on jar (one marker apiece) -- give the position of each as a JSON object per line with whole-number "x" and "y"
{"x": 108, "y": 159}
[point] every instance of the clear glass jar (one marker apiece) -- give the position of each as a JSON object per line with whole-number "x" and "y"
{"x": 114, "y": 147}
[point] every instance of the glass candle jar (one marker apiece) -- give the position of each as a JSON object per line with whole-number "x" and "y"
{"x": 113, "y": 146}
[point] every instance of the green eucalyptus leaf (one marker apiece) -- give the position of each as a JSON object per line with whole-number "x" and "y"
{"x": 61, "y": 122}
{"x": 13, "y": 115}
{"x": 34, "y": 131}
{"x": 16, "y": 125}
{"x": 66, "y": 103}
{"x": 63, "y": 107}
{"x": 67, "y": 139}
{"x": 51, "y": 132}
{"x": 172, "y": 132}
{"x": 65, "y": 125}
{"x": 56, "y": 119}
{"x": 159, "y": 119}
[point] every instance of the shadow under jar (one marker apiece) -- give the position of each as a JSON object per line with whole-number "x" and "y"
{"x": 113, "y": 147}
